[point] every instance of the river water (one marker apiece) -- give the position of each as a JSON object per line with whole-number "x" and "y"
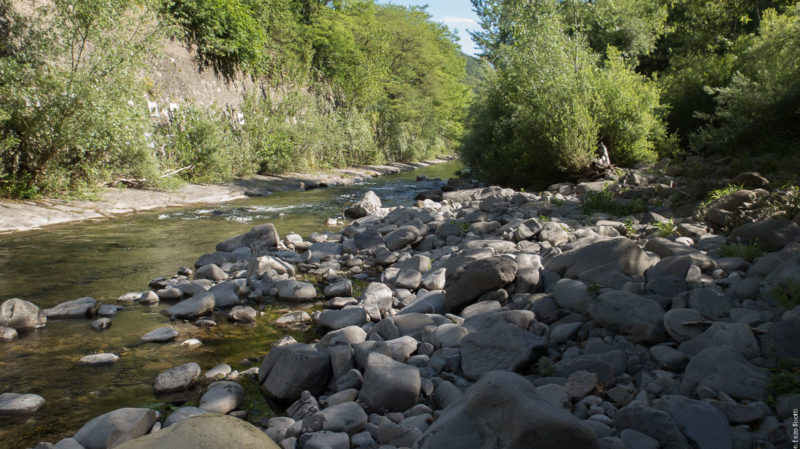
{"x": 108, "y": 258}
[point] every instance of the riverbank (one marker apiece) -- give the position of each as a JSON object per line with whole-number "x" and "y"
{"x": 594, "y": 314}
{"x": 17, "y": 216}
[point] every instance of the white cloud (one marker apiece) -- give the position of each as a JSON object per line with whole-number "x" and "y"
{"x": 460, "y": 22}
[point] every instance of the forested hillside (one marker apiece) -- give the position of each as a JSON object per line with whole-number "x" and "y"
{"x": 642, "y": 78}
{"x": 340, "y": 83}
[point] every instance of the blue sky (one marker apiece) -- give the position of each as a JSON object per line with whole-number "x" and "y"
{"x": 456, "y": 14}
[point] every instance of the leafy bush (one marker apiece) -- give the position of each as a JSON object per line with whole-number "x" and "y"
{"x": 607, "y": 203}
{"x": 666, "y": 228}
{"x": 747, "y": 252}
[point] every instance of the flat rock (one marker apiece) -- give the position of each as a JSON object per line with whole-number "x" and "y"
{"x": 338, "y": 319}
{"x": 618, "y": 254}
{"x": 292, "y": 290}
{"x": 115, "y": 428}
{"x": 98, "y": 359}
{"x": 160, "y": 335}
{"x": 179, "y": 378}
{"x": 78, "y": 308}
{"x": 770, "y": 235}
{"x": 502, "y": 346}
{"x": 504, "y": 410}
{"x": 703, "y": 425}
{"x": 620, "y": 311}
{"x": 20, "y": 404}
{"x": 207, "y": 431}
{"x": 222, "y": 397}
{"x": 674, "y": 321}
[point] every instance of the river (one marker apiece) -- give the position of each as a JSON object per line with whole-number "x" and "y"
{"x": 105, "y": 259}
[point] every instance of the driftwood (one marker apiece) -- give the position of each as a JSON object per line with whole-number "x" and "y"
{"x": 174, "y": 172}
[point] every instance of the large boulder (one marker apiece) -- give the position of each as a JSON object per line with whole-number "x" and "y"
{"x": 179, "y": 378}
{"x": 367, "y": 205}
{"x": 479, "y": 277}
{"x": 260, "y": 239}
{"x": 346, "y": 417}
{"x": 292, "y": 290}
{"x": 389, "y": 385}
{"x": 667, "y": 248}
{"x": 222, "y": 397}
{"x": 737, "y": 335}
{"x": 654, "y": 423}
{"x": 402, "y": 236}
{"x": 115, "y": 427}
{"x": 770, "y": 235}
{"x": 78, "y": 308}
{"x": 502, "y": 346}
{"x": 703, "y": 425}
{"x": 618, "y": 255}
{"x": 288, "y": 370}
{"x": 781, "y": 340}
{"x": 504, "y": 410}
{"x": 20, "y": 314}
{"x": 620, "y": 311}
{"x": 208, "y": 431}
{"x": 724, "y": 369}
{"x": 196, "y": 306}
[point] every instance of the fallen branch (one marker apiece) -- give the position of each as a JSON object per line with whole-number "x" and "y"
{"x": 174, "y": 172}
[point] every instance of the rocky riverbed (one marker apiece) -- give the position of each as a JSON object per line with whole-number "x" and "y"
{"x": 488, "y": 317}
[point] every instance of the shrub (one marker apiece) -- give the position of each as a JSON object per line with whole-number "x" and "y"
{"x": 607, "y": 203}
{"x": 747, "y": 252}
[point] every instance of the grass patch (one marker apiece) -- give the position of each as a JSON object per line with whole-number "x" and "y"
{"x": 747, "y": 252}
{"x": 782, "y": 381}
{"x": 717, "y": 194}
{"x": 788, "y": 294}
{"x": 605, "y": 202}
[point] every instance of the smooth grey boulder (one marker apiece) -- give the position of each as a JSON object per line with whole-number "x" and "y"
{"x": 434, "y": 279}
{"x": 67, "y": 443}
{"x": 642, "y": 318}
{"x": 350, "y": 335}
{"x": 99, "y": 359}
{"x": 703, "y": 425}
{"x": 207, "y": 431}
{"x": 572, "y": 295}
{"x": 341, "y": 288}
{"x": 196, "y": 306}
{"x": 781, "y": 340}
{"x": 654, "y": 423}
{"x": 160, "y": 335}
{"x": 724, "y": 369}
{"x": 324, "y": 440}
{"x": 737, "y": 335}
{"x": 618, "y": 254}
{"x": 770, "y": 235}
{"x": 289, "y": 370}
{"x": 115, "y": 428}
{"x": 179, "y": 378}
{"x": 399, "y": 349}
{"x": 369, "y": 204}
{"x": 218, "y": 372}
{"x": 17, "y": 313}
{"x": 710, "y": 303}
{"x": 77, "y": 308}
{"x": 338, "y": 319}
{"x": 292, "y": 290}
{"x": 667, "y": 248}
{"x": 222, "y": 397}
{"x": 369, "y": 240}
{"x": 7, "y": 333}
{"x": 346, "y": 417}
{"x": 388, "y": 384}
{"x": 402, "y": 277}
{"x": 225, "y": 293}
{"x": 401, "y": 237}
{"x": 675, "y": 323}
{"x": 504, "y": 410}
{"x": 502, "y": 346}
{"x": 183, "y": 413}
{"x": 430, "y": 302}
{"x": 260, "y": 239}
{"x": 212, "y": 272}
{"x": 378, "y": 296}
{"x": 261, "y": 265}
{"x": 669, "y": 358}
{"x": 479, "y": 277}
{"x": 20, "y": 404}
{"x": 243, "y": 314}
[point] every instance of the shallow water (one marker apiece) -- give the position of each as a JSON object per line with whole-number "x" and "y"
{"x": 105, "y": 259}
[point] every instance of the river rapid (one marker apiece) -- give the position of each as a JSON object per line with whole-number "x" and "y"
{"x": 105, "y": 259}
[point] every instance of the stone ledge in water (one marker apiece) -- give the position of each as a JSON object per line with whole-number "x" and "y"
{"x": 160, "y": 335}
{"x": 98, "y": 359}
{"x": 78, "y": 308}
{"x": 20, "y": 404}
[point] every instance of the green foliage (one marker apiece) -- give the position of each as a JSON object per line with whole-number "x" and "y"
{"x": 67, "y": 113}
{"x": 783, "y": 381}
{"x": 666, "y": 228}
{"x": 606, "y": 202}
{"x": 760, "y": 108}
{"x": 545, "y": 368}
{"x": 553, "y": 100}
{"x": 787, "y": 294}
{"x": 720, "y": 193}
{"x": 630, "y": 231}
{"x": 747, "y": 252}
